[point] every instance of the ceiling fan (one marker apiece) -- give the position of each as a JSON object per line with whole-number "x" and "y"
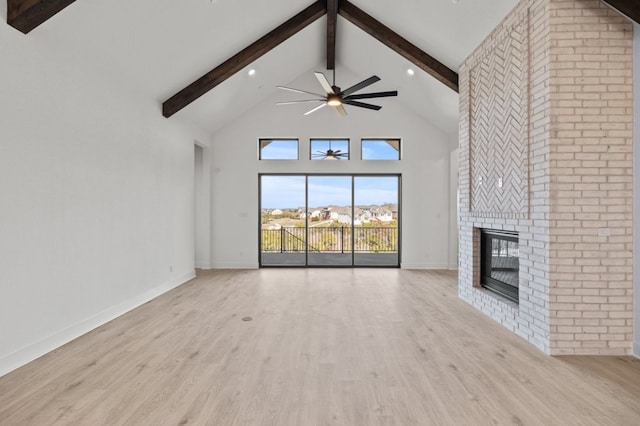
{"x": 330, "y": 154}
{"x": 337, "y": 98}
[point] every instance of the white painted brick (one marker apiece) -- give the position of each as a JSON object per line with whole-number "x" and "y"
{"x": 575, "y": 285}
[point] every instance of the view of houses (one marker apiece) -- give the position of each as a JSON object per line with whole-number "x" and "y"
{"x": 328, "y": 229}
{"x": 385, "y": 215}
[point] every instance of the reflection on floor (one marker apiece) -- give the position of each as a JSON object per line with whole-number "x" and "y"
{"x": 331, "y": 259}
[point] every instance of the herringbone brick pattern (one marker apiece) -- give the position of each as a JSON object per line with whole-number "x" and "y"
{"x": 499, "y": 122}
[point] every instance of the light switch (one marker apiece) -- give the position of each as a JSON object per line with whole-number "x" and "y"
{"x": 500, "y": 182}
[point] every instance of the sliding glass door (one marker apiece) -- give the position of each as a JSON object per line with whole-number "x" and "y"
{"x": 376, "y": 237}
{"x": 329, "y": 220}
{"x": 283, "y": 232}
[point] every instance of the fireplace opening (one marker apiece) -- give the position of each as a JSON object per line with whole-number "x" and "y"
{"x": 500, "y": 262}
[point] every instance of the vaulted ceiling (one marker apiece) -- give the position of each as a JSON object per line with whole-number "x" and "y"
{"x": 157, "y": 48}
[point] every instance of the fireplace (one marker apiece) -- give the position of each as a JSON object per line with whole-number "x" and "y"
{"x": 499, "y": 262}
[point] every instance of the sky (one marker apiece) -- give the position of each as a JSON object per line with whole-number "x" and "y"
{"x": 287, "y": 192}
{"x": 378, "y": 150}
{"x": 280, "y": 150}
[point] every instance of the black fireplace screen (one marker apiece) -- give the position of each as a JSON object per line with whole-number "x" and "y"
{"x": 499, "y": 262}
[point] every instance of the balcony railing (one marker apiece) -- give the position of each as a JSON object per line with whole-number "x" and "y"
{"x": 330, "y": 240}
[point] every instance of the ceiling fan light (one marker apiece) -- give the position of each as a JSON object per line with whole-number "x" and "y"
{"x": 334, "y": 100}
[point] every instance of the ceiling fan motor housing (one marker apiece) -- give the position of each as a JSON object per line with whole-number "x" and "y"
{"x": 334, "y": 100}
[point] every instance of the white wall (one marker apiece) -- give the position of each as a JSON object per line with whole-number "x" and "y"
{"x": 96, "y": 212}
{"x": 202, "y": 206}
{"x": 424, "y": 168}
{"x": 453, "y": 209}
{"x": 636, "y": 189}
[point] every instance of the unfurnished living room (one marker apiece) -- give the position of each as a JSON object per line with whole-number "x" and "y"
{"x": 330, "y": 212}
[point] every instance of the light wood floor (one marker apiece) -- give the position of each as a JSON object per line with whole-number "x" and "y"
{"x": 325, "y": 347}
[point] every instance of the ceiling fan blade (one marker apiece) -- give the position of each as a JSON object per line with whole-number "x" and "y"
{"x": 315, "y": 109}
{"x": 300, "y": 91}
{"x": 324, "y": 82}
{"x": 340, "y": 110}
{"x": 372, "y": 95}
{"x": 364, "y": 83}
{"x": 299, "y": 102}
{"x": 337, "y": 151}
{"x": 362, "y": 105}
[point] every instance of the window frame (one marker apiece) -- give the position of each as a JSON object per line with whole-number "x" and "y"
{"x": 312, "y": 140}
{"x": 380, "y": 140}
{"x": 271, "y": 140}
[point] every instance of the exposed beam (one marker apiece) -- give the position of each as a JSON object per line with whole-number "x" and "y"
{"x": 332, "y": 21}
{"x": 631, "y": 8}
{"x": 399, "y": 44}
{"x": 243, "y": 58}
{"x": 25, "y": 15}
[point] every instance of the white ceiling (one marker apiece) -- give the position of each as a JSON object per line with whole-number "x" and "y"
{"x": 157, "y": 47}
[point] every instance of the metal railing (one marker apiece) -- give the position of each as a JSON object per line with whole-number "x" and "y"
{"x": 330, "y": 239}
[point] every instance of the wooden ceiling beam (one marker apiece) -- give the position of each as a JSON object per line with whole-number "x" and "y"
{"x": 25, "y": 15}
{"x": 399, "y": 44}
{"x": 630, "y": 8}
{"x": 332, "y": 23}
{"x": 243, "y": 58}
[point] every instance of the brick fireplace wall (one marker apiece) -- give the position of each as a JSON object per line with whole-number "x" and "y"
{"x": 546, "y": 151}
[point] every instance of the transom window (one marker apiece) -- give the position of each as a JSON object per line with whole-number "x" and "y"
{"x": 329, "y": 149}
{"x": 380, "y": 149}
{"x": 278, "y": 149}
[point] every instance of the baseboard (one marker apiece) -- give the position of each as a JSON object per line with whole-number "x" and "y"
{"x": 25, "y": 355}
{"x": 424, "y": 266}
{"x": 232, "y": 265}
{"x": 203, "y": 265}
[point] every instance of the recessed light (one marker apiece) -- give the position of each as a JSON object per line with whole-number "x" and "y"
{"x": 410, "y": 71}
{"x": 252, "y": 72}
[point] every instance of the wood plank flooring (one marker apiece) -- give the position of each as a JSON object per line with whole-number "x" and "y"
{"x": 324, "y": 347}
